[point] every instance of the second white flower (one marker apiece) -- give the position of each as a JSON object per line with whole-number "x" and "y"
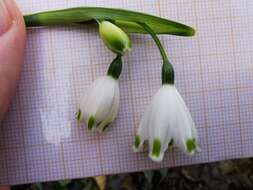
{"x": 99, "y": 107}
{"x": 167, "y": 122}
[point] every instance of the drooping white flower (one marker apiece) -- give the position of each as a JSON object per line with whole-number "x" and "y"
{"x": 99, "y": 107}
{"x": 167, "y": 122}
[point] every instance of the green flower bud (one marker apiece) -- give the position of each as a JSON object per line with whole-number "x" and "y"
{"x": 114, "y": 38}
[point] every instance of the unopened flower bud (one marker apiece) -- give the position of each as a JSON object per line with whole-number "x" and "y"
{"x": 114, "y": 38}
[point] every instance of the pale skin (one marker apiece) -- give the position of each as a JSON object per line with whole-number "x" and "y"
{"x": 12, "y": 43}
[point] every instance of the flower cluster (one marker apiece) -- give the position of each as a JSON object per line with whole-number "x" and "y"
{"x": 166, "y": 122}
{"x": 100, "y": 104}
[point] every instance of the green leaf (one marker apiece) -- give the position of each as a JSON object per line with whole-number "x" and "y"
{"x": 125, "y": 19}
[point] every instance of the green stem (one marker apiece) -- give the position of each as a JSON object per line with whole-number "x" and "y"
{"x": 157, "y": 41}
{"x": 168, "y": 75}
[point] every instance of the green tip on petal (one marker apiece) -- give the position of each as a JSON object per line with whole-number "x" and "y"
{"x": 78, "y": 115}
{"x": 137, "y": 141}
{"x": 91, "y": 123}
{"x": 156, "y": 148}
{"x": 105, "y": 127}
{"x": 171, "y": 144}
{"x": 191, "y": 145}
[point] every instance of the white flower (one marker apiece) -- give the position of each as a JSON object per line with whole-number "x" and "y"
{"x": 167, "y": 122}
{"x": 100, "y": 105}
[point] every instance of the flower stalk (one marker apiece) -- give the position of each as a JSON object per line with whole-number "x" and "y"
{"x": 168, "y": 75}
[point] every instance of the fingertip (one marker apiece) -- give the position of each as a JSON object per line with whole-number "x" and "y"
{"x": 11, "y": 52}
{"x": 12, "y": 8}
{"x": 15, "y": 13}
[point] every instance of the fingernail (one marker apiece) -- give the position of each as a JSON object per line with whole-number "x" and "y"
{"x": 5, "y": 17}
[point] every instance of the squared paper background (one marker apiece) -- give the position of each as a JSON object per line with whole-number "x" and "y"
{"x": 40, "y": 139}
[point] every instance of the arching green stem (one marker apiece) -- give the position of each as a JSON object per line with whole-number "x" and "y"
{"x": 167, "y": 68}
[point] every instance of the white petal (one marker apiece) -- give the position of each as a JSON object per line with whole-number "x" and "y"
{"x": 115, "y": 107}
{"x": 113, "y": 110}
{"x": 87, "y": 95}
{"x": 99, "y": 99}
{"x": 143, "y": 126}
{"x": 186, "y": 111}
{"x": 159, "y": 120}
{"x": 184, "y": 127}
{"x": 103, "y": 99}
{"x": 142, "y": 131}
{"x": 154, "y": 158}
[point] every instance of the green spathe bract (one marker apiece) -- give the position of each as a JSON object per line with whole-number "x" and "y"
{"x": 125, "y": 19}
{"x": 114, "y": 38}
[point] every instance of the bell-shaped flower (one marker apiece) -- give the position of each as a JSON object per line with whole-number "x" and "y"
{"x": 114, "y": 38}
{"x": 165, "y": 123}
{"x": 99, "y": 107}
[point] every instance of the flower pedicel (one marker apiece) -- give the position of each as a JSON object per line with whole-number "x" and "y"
{"x": 167, "y": 121}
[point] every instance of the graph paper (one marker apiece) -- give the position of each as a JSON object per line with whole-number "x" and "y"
{"x": 40, "y": 139}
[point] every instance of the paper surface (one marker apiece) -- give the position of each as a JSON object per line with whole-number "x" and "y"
{"x": 40, "y": 139}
